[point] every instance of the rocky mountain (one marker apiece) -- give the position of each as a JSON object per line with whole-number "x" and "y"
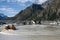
{"x": 30, "y": 13}
{"x": 49, "y": 10}
{"x": 2, "y": 16}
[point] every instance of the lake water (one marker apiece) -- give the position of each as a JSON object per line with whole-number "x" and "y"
{"x": 32, "y": 32}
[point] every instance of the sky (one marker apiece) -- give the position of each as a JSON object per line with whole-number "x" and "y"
{"x": 13, "y": 7}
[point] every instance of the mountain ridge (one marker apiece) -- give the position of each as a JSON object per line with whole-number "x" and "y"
{"x": 29, "y": 12}
{"x": 40, "y": 12}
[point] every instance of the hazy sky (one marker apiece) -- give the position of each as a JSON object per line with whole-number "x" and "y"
{"x": 12, "y": 7}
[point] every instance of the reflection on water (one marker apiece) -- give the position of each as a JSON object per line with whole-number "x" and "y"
{"x": 33, "y": 32}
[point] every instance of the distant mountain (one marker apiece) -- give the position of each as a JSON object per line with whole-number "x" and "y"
{"x": 50, "y": 10}
{"x": 2, "y": 16}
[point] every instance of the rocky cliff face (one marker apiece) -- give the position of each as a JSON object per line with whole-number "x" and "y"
{"x": 51, "y": 12}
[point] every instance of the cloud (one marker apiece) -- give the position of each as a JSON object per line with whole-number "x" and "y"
{"x": 24, "y": 1}
{"x": 40, "y": 1}
{"x": 9, "y": 11}
{"x": 21, "y": 1}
